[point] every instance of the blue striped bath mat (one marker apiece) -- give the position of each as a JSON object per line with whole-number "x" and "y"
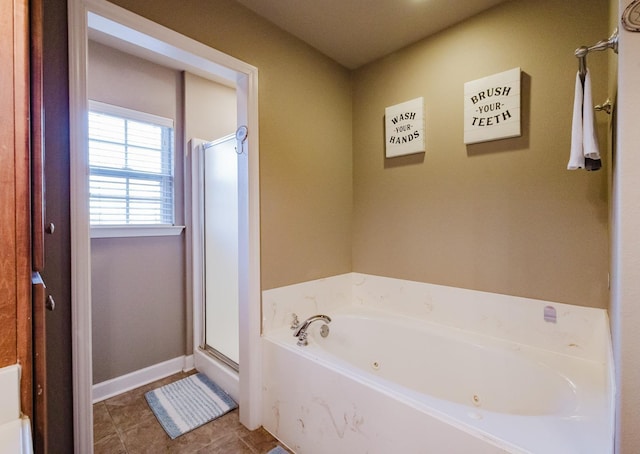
{"x": 183, "y": 405}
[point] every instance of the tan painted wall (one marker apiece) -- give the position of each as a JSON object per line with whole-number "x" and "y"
{"x": 124, "y": 80}
{"x": 209, "y": 107}
{"x": 138, "y": 307}
{"x": 305, "y": 136}
{"x": 503, "y": 216}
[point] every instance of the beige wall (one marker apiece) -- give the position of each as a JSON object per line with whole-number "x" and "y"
{"x": 305, "y": 136}
{"x": 138, "y": 307}
{"x": 137, "y": 284}
{"x": 209, "y": 107}
{"x": 503, "y": 216}
{"x": 124, "y": 80}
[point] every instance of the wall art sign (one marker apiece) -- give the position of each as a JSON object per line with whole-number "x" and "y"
{"x": 404, "y": 128}
{"x": 492, "y": 107}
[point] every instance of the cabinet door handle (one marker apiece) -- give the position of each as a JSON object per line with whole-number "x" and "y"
{"x": 51, "y": 303}
{"x": 50, "y": 228}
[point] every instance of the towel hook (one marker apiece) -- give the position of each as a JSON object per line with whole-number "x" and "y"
{"x": 605, "y": 106}
{"x": 581, "y": 53}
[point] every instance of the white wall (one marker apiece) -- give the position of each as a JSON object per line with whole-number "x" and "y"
{"x": 625, "y": 290}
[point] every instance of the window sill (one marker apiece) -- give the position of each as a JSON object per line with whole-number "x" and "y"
{"x": 128, "y": 231}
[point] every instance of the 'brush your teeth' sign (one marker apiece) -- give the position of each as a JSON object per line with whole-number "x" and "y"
{"x": 492, "y": 107}
{"x": 404, "y": 128}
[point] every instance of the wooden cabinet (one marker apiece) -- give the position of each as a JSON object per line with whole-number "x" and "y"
{"x": 17, "y": 246}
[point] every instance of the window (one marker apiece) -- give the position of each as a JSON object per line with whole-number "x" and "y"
{"x": 130, "y": 167}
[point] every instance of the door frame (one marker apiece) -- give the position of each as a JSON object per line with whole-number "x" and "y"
{"x": 149, "y": 39}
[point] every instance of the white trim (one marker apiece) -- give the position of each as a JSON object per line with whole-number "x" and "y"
{"x": 194, "y": 237}
{"x": 171, "y": 48}
{"x": 129, "y": 114}
{"x": 133, "y": 380}
{"x": 126, "y": 231}
{"x": 625, "y": 244}
{"x": 80, "y": 242}
{"x": 143, "y": 36}
{"x": 250, "y": 296}
{"x": 219, "y": 141}
{"x": 189, "y": 363}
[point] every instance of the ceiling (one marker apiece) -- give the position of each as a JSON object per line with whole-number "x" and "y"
{"x": 356, "y": 32}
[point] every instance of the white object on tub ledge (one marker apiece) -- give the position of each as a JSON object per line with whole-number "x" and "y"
{"x": 15, "y": 429}
{"x": 9, "y": 393}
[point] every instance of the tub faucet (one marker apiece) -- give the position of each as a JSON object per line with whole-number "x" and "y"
{"x": 301, "y": 332}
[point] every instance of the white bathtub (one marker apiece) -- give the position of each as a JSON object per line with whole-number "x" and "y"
{"x": 383, "y": 382}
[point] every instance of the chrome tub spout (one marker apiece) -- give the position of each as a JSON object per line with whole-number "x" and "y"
{"x": 301, "y": 332}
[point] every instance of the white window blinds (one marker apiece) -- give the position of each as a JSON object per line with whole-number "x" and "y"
{"x": 130, "y": 166}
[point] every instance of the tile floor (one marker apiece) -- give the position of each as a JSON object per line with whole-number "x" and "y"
{"x": 125, "y": 424}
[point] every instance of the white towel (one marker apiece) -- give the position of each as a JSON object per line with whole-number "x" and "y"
{"x": 576, "y": 158}
{"x": 589, "y": 138}
{"x": 584, "y": 142}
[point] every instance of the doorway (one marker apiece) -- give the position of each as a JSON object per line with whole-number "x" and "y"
{"x": 153, "y": 42}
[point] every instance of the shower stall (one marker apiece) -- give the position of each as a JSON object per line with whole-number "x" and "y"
{"x": 220, "y": 188}
{"x": 215, "y": 261}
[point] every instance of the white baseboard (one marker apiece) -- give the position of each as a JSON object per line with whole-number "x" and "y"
{"x": 124, "y": 383}
{"x": 189, "y": 363}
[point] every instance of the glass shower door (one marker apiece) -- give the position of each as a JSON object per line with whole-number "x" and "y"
{"x": 221, "y": 250}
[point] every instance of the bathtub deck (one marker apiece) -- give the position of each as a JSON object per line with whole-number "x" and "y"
{"x": 331, "y": 404}
{"x": 550, "y": 389}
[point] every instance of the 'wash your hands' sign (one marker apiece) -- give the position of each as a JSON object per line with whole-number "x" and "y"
{"x": 492, "y": 107}
{"x": 404, "y": 128}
